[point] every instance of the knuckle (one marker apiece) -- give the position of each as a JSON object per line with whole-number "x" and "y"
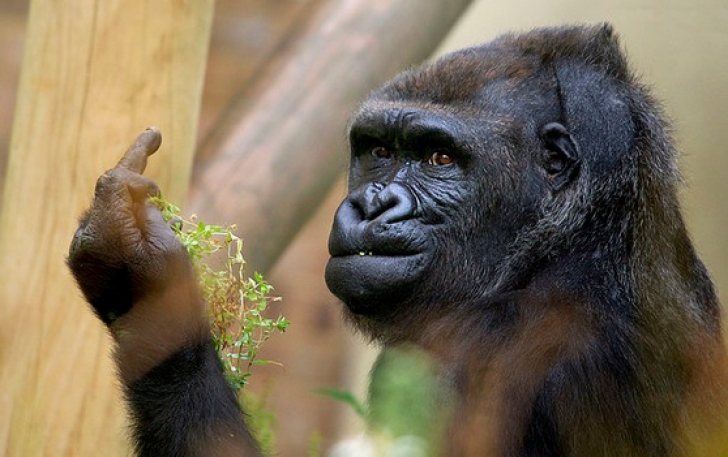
{"x": 76, "y": 243}
{"x": 154, "y": 188}
{"x": 103, "y": 182}
{"x": 142, "y": 187}
{"x": 115, "y": 174}
{"x": 109, "y": 180}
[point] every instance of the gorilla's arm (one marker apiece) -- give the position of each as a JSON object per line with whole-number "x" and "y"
{"x": 139, "y": 280}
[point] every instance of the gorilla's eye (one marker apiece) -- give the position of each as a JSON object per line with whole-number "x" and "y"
{"x": 440, "y": 158}
{"x": 381, "y": 152}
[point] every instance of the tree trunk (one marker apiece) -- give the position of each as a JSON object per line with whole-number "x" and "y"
{"x": 95, "y": 73}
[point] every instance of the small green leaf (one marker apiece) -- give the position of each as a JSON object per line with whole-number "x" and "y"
{"x": 345, "y": 397}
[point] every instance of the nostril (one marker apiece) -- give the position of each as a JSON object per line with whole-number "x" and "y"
{"x": 394, "y": 203}
{"x": 381, "y": 203}
{"x": 370, "y": 205}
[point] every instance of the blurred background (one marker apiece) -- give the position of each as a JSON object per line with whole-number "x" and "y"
{"x": 680, "y": 48}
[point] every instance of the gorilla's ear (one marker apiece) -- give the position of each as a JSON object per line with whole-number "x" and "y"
{"x": 560, "y": 157}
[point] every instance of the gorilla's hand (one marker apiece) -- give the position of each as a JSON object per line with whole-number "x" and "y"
{"x": 123, "y": 251}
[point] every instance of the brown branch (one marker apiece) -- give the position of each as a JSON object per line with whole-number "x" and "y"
{"x": 273, "y": 158}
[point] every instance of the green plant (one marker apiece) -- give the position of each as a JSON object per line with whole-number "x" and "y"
{"x": 237, "y": 303}
{"x": 314, "y": 445}
{"x": 406, "y": 411}
{"x": 348, "y": 398}
{"x": 260, "y": 419}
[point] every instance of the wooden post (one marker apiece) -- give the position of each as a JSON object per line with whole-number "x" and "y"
{"x": 95, "y": 73}
{"x": 275, "y": 157}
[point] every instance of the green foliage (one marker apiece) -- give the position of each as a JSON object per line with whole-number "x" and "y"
{"x": 346, "y": 397}
{"x": 260, "y": 419}
{"x": 406, "y": 411}
{"x": 237, "y": 303}
{"x": 314, "y": 445}
{"x": 404, "y": 395}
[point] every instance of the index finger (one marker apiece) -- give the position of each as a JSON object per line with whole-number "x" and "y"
{"x": 146, "y": 144}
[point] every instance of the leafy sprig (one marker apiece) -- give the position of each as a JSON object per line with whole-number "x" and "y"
{"x": 237, "y": 303}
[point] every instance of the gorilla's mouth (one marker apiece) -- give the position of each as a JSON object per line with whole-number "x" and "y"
{"x": 364, "y": 243}
{"x": 379, "y": 249}
{"x": 370, "y": 281}
{"x": 377, "y": 253}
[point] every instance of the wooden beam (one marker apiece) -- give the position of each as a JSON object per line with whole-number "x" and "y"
{"x": 271, "y": 162}
{"x": 95, "y": 73}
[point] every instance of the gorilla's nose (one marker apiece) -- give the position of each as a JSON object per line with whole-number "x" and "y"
{"x": 375, "y": 218}
{"x": 387, "y": 204}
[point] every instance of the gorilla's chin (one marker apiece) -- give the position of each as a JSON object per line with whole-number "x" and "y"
{"x": 372, "y": 284}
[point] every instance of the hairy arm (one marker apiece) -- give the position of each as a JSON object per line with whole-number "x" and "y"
{"x": 139, "y": 281}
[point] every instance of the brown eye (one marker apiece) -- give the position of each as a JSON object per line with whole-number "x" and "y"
{"x": 381, "y": 152}
{"x": 440, "y": 158}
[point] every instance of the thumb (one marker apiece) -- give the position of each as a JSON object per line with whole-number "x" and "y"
{"x": 156, "y": 230}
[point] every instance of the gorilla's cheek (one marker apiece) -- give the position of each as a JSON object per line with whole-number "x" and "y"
{"x": 370, "y": 284}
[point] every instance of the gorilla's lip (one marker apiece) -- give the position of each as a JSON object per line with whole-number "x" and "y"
{"x": 369, "y": 284}
{"x": 388, "y": 249}
{"x": 373, "y": 253}
{"x": 376, "y": 239}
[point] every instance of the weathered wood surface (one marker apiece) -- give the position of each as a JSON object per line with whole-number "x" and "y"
{"x": 281, "y": 147}
{"x": 95, "y": 73}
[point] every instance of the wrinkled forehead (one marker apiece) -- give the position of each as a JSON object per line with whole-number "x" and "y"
{"x": 410, "y": 118}
{"x": 477, "y": 89}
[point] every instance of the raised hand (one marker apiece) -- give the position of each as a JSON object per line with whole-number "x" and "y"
{"x": 131, "y": 268}
{"x": 123, "y": 249}
{"x": 139, "y": 280}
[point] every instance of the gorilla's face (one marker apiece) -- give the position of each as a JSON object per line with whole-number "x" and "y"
{"x": 408, "y": 184}
{"x": 442, "y": 181}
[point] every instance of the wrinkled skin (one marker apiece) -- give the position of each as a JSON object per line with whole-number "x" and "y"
{"x": 125, "y": 254}
{"x": 124, "y": 239}
{"x": 421, "y": 221}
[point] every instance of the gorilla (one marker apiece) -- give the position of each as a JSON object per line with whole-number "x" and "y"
{"x": 513, "y": 212}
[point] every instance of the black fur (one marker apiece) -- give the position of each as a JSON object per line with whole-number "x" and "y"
{"x": 562, "y": 196}
{"x": 184, "y": 405}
